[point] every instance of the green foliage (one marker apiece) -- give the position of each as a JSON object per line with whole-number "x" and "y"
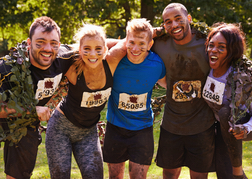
{"x": 41, "y": 170}
{"x": 15, "y": 18}
{"x": 14, "y": 11}
{"x": 239, "y": 88}
{"x": 113, "y": 15}
{"x": 20, "y": 97}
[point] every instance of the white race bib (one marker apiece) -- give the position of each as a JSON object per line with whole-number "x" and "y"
{"x": 186, "y": 90}
{"x": 47, "y": 86}
{"x": 213, "y": 91}
{"x": 95, "y": 99}
{"x": 132, "y": 102}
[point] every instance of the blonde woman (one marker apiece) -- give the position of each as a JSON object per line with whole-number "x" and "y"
{"x": 72, "y": 127}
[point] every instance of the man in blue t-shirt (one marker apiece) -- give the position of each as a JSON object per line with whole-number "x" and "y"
{"x": 129, "y": 132}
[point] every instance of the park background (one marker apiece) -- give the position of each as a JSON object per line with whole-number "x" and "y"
{"x": 16, "y": 17}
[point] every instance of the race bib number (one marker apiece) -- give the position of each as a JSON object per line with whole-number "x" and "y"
{"x": 95, "y": 99}
{"x": 213, "y": 91}
{"x": 132, "y": 102}
{"x": 186, "y": 90}
{"x": 47, "y": 86}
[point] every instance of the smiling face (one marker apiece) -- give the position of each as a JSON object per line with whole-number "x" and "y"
{"x": 43, "y": 47}
{"x": 138, "y": 44}
{"x": 217, "y": 53}
{"x": 177, "y": 25}
{"x": 92, "y": 50}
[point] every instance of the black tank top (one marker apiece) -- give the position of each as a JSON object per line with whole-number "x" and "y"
{"x": 82, "y": 106}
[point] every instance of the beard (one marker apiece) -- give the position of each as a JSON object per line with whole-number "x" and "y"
{"x": 39, "y": 60}
{"x": 185, "y": 33}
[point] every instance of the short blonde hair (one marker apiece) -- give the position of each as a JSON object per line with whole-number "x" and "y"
{"x": 139, "y": 25}
{"x": 88, "y": 30}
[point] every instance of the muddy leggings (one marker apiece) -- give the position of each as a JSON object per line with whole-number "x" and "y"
{"x": 63, "y": 138}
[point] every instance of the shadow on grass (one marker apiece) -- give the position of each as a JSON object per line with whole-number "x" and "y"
{"x": 41, "y": 170}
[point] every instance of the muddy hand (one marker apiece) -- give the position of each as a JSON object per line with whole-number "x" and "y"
{"x": 43, "y": 113}
{"x": 239, "y": 131}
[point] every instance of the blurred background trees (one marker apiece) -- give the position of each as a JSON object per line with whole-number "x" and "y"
{"x": 17, "y": 15}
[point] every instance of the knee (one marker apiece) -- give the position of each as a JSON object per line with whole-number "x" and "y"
{"x": 171, "y": 173}
{"x": 198, "y": 175}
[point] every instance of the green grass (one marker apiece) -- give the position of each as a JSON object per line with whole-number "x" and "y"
{"x": 41, "y": 170}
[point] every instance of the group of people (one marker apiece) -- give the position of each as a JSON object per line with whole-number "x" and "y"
{"x": 123, "y": 72}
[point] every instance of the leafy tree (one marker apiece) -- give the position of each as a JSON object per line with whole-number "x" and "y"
{"x": 14, "y": 17}
{"x": 113, "y": 15}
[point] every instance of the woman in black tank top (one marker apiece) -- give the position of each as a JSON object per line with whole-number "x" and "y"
{"x": 72, "y": 127}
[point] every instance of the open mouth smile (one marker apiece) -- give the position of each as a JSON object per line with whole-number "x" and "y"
{"x": 177, "y": 31}
{"x": 135, "y": 54}
{"x": 92, "y": 60}
{"x": 213, "y": 59}
{"x": 46, "y": 55}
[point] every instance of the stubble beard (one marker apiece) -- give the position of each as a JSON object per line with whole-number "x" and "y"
{"x": 35, "y": 56}
{"x": 185, "y": 33}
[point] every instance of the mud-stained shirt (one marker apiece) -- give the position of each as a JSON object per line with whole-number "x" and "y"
{"x": 186, "y": 112}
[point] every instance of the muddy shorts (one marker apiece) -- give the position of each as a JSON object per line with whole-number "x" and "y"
{"x": 121, "y": 144}
{"x": 20, "y": 158}
{"x": 194, "y": 151}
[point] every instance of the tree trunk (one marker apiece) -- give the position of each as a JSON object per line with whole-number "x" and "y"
{"x": 127, "y": 14}
{"x": 251, "y": 53}
{"x": 147, "y": 10}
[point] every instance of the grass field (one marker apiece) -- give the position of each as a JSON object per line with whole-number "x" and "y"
{"x": 41, "y": 170}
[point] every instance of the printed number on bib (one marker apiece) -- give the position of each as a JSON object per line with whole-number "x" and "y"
{"x": 186, "y": 90}
{"x": 95, "y": 99}
{"x": 47, "y": 86}
{"x": 213, "y": 91}
{"x": 132, "y": 102}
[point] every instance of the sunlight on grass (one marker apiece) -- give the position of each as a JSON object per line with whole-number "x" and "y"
{"x": 41, "y": 170}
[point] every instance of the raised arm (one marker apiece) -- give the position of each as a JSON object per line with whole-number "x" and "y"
{"x": 115, "y": 54}
{"x": 112, "y": 42}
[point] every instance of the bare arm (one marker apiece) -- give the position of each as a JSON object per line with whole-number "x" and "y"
{"x": 42, "y": 112}
{"x": 115, "y": 54}
{"x": 112, "y": 42}
{"x": 158, "y": 31}
{"x": 162, "y": 82}
{"x": 5, "y": 111}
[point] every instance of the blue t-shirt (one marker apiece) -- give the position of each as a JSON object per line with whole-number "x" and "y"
{"x": 129, "y": 105}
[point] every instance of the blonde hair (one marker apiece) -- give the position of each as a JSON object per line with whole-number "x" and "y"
{"x": 88, "y": 30}
{"x": 139, "y": 25}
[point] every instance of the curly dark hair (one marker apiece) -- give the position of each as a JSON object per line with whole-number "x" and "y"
{"x": 235, "y": 37}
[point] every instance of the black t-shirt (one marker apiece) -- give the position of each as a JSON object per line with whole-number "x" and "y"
{"x": 45, "y": 82}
